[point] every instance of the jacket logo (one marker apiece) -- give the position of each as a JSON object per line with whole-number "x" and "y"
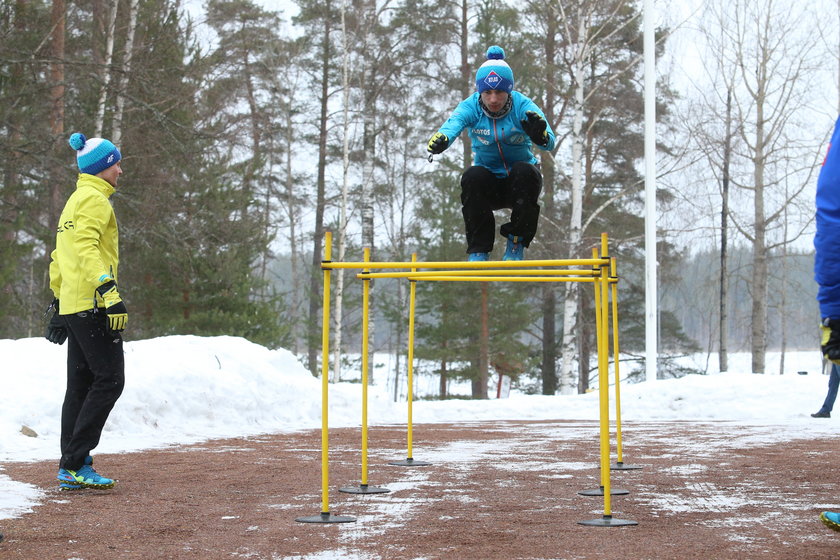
{"x": 484, "y": 131}
{"x": 66, "y": 225}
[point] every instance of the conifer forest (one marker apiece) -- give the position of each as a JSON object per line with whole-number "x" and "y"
{"x": 250, "y": 128}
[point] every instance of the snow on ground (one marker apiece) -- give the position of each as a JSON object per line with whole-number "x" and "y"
{"x": 185, "y": 389}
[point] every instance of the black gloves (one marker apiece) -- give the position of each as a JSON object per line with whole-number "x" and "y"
{"x": 56, "y": 328}
{"x": 830, "y": 340}
{"x": 437, "y": 143}
{"x": 114, "y": 306}
{"x": 535, "y": 127}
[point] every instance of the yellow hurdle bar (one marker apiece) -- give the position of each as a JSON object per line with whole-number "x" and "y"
{"x": 420, "y": 275}
{"x": 469, "y": 265}
{"x": 456, "y": 278}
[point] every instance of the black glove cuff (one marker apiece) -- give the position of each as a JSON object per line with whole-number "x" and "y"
{"x": 107, "y": 286}
{"x": 116, "y": 309}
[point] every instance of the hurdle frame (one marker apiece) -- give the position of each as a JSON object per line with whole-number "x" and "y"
{"x": 601, "y": 274}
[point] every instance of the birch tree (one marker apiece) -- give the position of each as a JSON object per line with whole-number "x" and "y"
{"x": 774, "y": 57}
{"x": 125, "y": 71}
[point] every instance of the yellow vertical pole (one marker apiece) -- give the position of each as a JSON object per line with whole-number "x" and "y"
{"x": 603, "y": 387}
{"x": 365, "y": 332}
{"x": 363, "y": 488}
{"x": 324, "y": 516}
{"x": 325, "y": 368}
{"x": 597, "y": 287}
{"x": 410, "y": 380}
{"x": 614, "y": 291}
{"x": 603, "y": 374}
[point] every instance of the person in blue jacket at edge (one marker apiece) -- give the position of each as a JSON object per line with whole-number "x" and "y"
{"x": 827, "y": 265}
{"x": 502, "y": 125}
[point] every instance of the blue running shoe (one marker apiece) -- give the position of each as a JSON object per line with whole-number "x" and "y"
{"x": 478, "y": 257}
{"x": 831, "y": 520}
{"x": 85, "y": 477}
{"x": 67, "y": 481}
{"x": 515, "y": 250}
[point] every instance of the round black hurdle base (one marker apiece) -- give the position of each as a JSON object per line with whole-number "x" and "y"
{"x": 409, "y": 463}
{"x": 622, "y": 466}
{"x": 608, "y": 521}
{"x": 600, "y": 492}
{"x": 326, "y": 518}
{"x": 363, "y": 489}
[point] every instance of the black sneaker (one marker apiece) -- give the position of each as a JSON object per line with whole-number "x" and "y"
{"x": 821, "y": 414}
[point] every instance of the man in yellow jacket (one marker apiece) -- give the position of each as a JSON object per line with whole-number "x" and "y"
{"x": 89, "y": 312}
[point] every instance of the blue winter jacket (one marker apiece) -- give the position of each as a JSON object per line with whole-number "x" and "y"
{"x": 827, "y": 238}
{"x": 497, "y": 143}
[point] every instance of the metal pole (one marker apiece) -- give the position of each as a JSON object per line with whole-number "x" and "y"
{"x": 651, "y": 350}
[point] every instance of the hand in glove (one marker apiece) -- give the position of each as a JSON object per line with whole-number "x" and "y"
{"x": 535, "y": 127}
{"x": 114, "y": 306}
{"x": 56, "y": 328}
{"x": 438, "y": 143}
{"x": 830, "y": 343}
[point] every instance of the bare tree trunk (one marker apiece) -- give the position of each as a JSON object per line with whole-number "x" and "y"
{"x": 370, "y": 92}
{"x": 758, "y": 339}
{"x": 549, "y": 346}
{"x": 443, "y": 378}
{"x": 126, "y": 71}
{"x": 724, "y": 230}
{"x": 782, "y": 309}
{"x": 401, "y": 298}
{"x": 480, "y": 390}
{"x": 105, "y": 70}
{"x": 313, "y": 340}
{"x": 584, "y": 352}
{"x": 550, "y": 236}
{"x": 293, "y": 215}
{"x": 570, "y": 308}
{"x": 466, "y": 76}
{"x": 342, "y": 223}
{"x": 58, "y": 21}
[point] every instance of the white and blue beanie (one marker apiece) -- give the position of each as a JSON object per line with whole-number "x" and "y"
{"x": 495, "y": 72}
{"x": 95, "y": 154}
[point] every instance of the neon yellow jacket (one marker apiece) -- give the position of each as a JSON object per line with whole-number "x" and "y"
{"x": 86, "y": 246}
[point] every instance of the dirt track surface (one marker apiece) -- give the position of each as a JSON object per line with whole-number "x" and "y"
{"x": 506, "y": 491}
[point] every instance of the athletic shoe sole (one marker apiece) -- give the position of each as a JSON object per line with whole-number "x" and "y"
{"x": 829, "y": 523}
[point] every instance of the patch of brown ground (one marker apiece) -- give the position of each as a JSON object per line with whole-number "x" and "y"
{"x": 501, "y": 492}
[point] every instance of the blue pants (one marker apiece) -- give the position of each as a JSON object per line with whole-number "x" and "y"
{"x": 833, "y": 384}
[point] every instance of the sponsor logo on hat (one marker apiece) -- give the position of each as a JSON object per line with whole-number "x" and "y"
{"x": 493, "y": 80}
{"x": 110, "y": 158}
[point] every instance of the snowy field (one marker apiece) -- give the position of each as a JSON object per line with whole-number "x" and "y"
{"x": 185, "y": 389}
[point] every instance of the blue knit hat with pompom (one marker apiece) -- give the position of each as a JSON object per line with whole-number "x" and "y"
{"x": 495, "y": 72}
{"x": 95, "y": 154}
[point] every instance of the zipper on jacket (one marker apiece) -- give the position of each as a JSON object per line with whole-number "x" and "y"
{"x": 499, "y": 145}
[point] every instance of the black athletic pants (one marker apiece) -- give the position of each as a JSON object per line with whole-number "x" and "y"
{"x": 482, "y": 192}
{"x": 95, "y": 380}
